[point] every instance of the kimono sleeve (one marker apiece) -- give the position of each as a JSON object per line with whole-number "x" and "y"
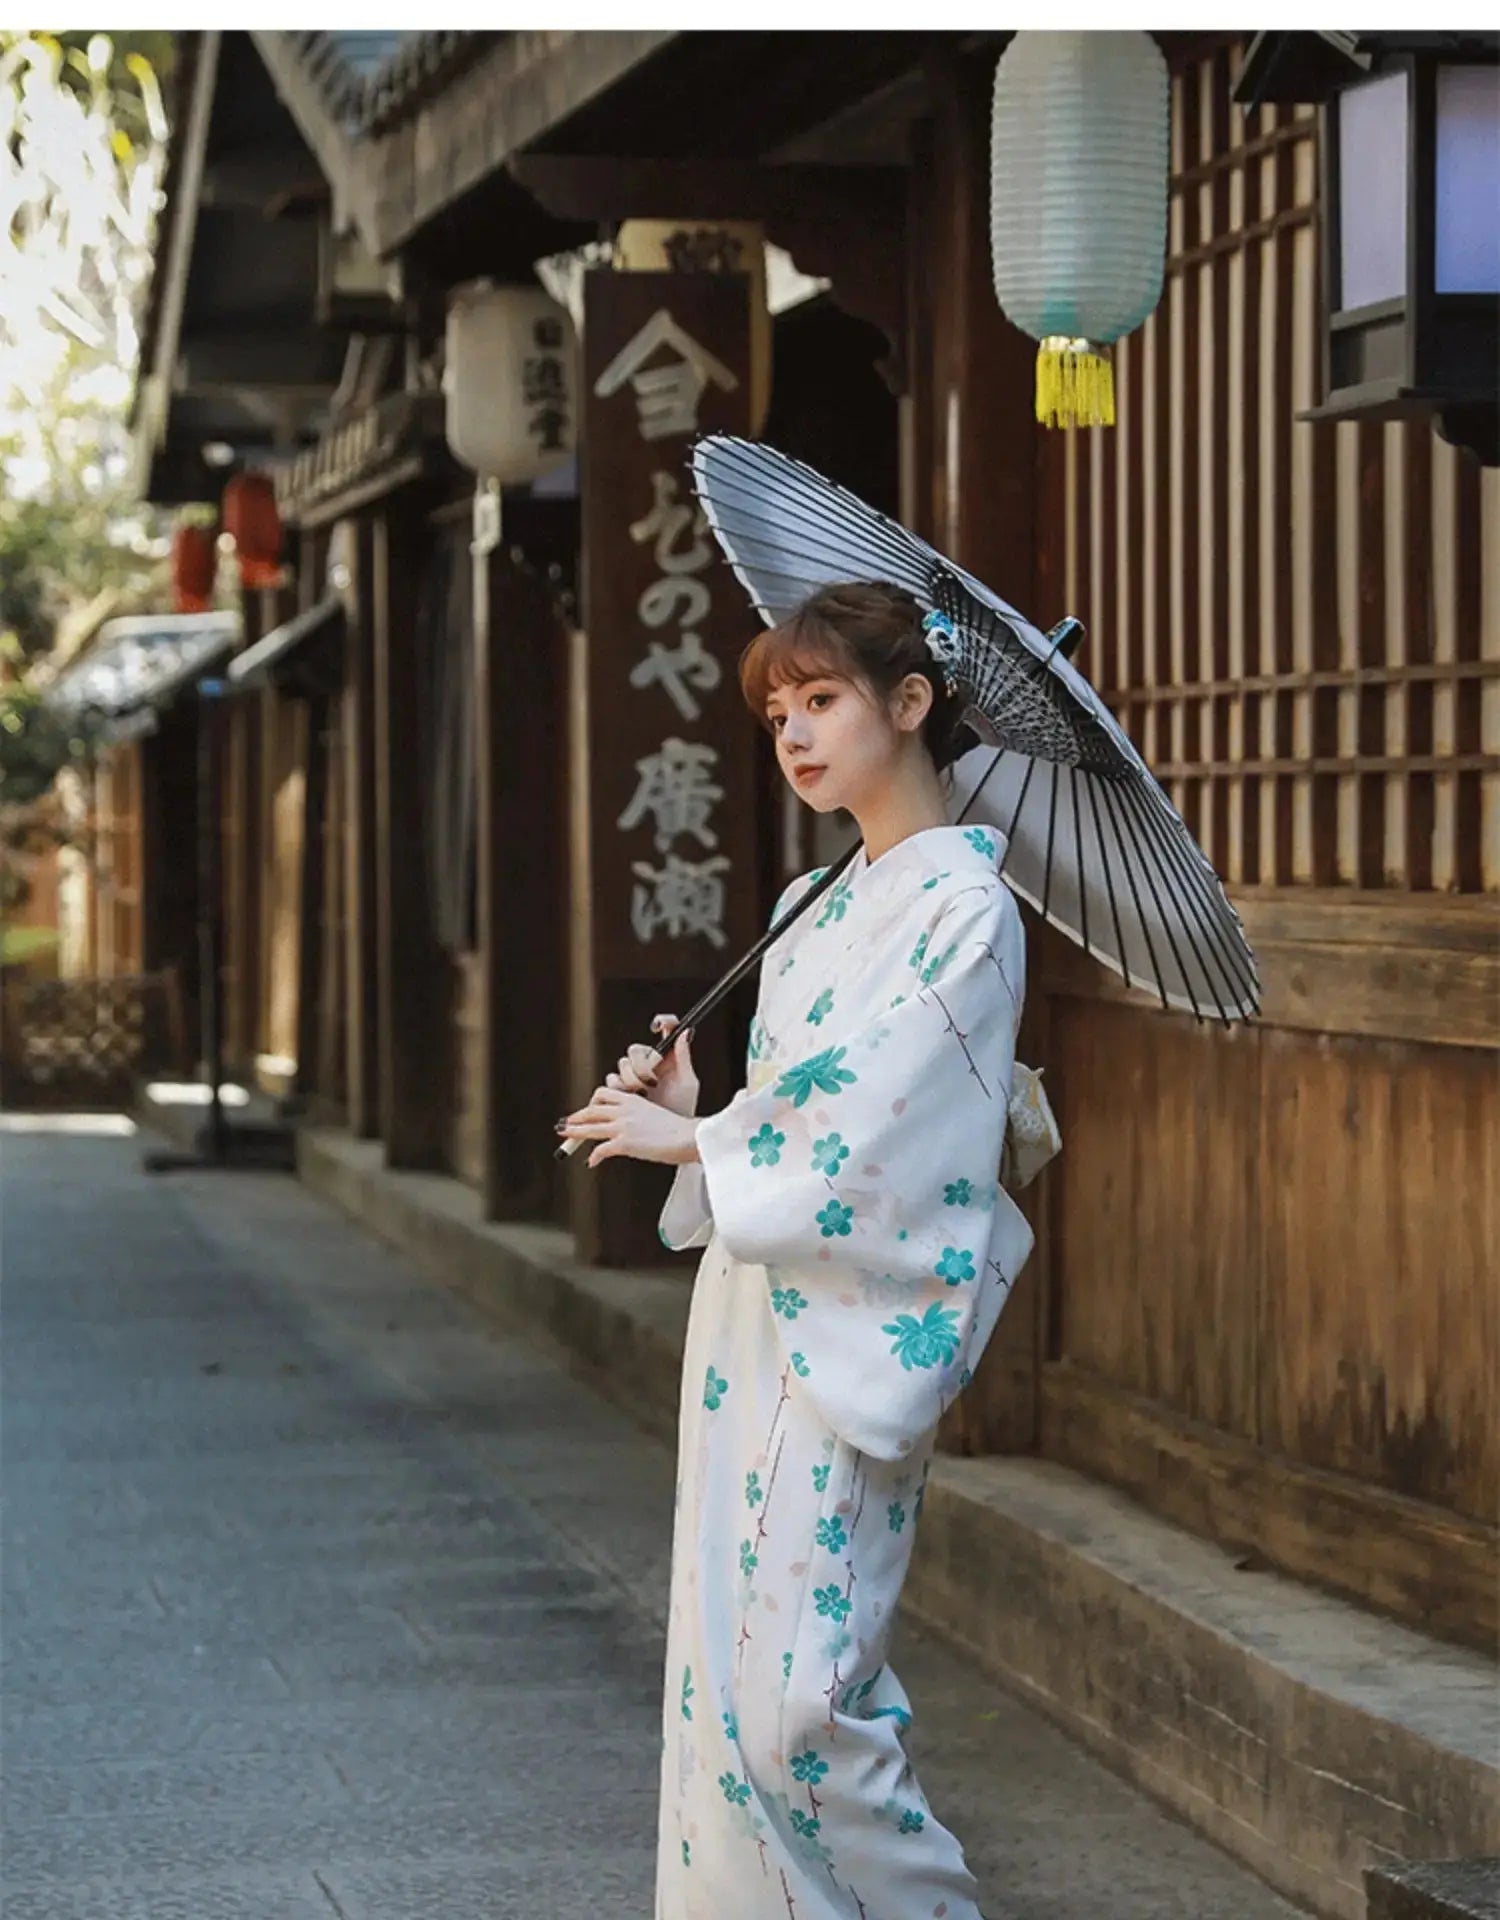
{"x": 687, "y": 1219}
{"x": 864, "y": 1179}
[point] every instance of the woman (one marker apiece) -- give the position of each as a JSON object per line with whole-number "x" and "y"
{"x": 859, "y": 1248}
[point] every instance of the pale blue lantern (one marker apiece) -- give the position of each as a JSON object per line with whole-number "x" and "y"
{"x": 1080, "y": 148}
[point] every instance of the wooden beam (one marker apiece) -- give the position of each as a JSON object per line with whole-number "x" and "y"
{"x": 519, "y": 88}
{"x": 283, "y": 358}
{"x": 844, "y": 224}
{"x": 261, "y": 176}
{"x": 335, "y": 150}
{"x": 1400, "y": 967}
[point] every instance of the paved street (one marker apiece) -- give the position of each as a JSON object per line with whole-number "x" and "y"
{"x": 322, "y": 1598}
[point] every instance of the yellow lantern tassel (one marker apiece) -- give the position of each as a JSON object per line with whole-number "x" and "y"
{"x": 1075, "y": 384}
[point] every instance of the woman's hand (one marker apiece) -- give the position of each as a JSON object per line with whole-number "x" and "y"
{"x": 629, "y": 1126}
{"x": 668, "y": 1081}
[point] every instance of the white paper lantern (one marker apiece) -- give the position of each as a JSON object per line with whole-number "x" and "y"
{"x": 1079, "y": 154}
{"x": 511, "y": 382}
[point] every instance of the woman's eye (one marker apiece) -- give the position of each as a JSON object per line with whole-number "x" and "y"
{"x": 819, "y": 699}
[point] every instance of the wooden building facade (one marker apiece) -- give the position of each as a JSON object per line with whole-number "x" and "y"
{"x": 1262, "y": 1298}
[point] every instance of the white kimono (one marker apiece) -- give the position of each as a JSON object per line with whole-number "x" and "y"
{"x": 859, "y": 1250}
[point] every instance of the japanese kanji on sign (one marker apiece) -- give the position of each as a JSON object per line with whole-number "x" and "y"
{"x": 673, "y": 873}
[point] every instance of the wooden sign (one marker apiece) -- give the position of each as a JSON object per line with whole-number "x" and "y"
{"x": 671, "y": 746}
{"x": 669, "y": 860}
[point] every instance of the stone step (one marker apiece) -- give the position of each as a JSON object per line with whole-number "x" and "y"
{"x": 1304, "y": 1736}
{"x": 1435, "y": 1890}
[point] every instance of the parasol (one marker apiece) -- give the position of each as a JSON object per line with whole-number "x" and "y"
{"x": 1094, "y": 844}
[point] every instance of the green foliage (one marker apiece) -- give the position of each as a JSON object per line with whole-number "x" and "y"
{"x": 82, "y": 143}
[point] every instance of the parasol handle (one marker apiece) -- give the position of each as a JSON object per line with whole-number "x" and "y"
{"x": 1066, "y": 636}
{"x": 661, "y": 1044}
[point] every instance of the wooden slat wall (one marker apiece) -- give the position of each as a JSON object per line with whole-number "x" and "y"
{"x": 1299, "y": 624}
{"x": 1266, "y": 1264}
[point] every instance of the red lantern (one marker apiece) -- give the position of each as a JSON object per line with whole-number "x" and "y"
{"x": 250, "y": 515}
{"x": 195, "y": 562}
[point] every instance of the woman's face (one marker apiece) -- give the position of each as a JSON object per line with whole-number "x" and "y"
{"x": 837, "y": 741}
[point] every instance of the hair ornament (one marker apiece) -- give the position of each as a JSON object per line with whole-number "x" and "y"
{"x": 945, "y": 647}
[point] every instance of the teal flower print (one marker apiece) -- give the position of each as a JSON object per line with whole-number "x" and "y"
{"x": 804, "y": 1823}
{"x": 911, "y": 1821}
{"x": 687, "y": 1692}
{"x": 731, "y": 1726}
{"x": 808, "y": 1768}
{"x": 899, "y": 1001}
{"x": 958, "y": 1194}
{"x": 821, "y": 1074}
{"x": 786, "y": 1666}
{"x": 931, "y": 1341}
{"x": 687, "y": 1854}
{"x": 800, "y": 1366}
{"x": 787, "y": 1301}
{"x": 918, "y": 952}
{"x": 765, "y": 1146}
{"x": 937, "y": 966}
{"x": 956, "y": 1264}
{"x": 829, "y": 1154}
{"x": 831, "y": 1534}
{"x": 820, "y": 1478}
{"x": 753, "y": 1493}
{"x": 835, "y": 1219}
{"x": 736, "y": 1792}
{"x": 714, "y": 1389}
{"x": 981, "y": 842}
{"x": 749, "y": 1559}
{"x": 836, "y": 905}
{"x": 832, "y": 1604}
{"x": 820, "y": 1009}
{"x": 758, "y": 1038}
{"x": 895, "y": 1515}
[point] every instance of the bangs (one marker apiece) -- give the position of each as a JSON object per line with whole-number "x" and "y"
{"x": 802, "y": 648}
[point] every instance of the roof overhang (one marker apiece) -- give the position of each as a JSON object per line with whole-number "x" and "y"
{"x": 237, "y": 360}
{"x": 303, "y": 656}
{"x": 143, "y": 663}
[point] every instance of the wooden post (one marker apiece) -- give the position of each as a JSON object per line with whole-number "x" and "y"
{"x": 362, "y": 944}
{"x": 310, "y": 947}
{"x": 520, "y": 655}
{"x": 663, "y": 756}
{"x": 974, "y": 391}
{"x": 415, "y": 1037}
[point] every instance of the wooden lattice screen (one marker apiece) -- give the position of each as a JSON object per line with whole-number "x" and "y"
{"x": 1299, "y": 623}
{"x": 84, "y": 1043}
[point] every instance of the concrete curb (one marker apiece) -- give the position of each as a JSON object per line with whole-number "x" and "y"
{"x": 1308, "y": 1739}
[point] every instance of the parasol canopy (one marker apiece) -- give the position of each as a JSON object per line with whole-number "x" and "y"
{"x": 1094, "y": 844}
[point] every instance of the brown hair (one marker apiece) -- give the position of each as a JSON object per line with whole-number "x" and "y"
{"x": 870, "y": 631}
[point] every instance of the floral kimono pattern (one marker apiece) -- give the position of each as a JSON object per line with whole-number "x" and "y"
{"x": 858, "y": 1252}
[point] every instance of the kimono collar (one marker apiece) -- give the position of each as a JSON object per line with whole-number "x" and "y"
{"x": 967, "y": 850}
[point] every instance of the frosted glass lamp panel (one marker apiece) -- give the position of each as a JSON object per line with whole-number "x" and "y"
{"x": 1374, "y": 137}
{"x": 1468, "y": 180}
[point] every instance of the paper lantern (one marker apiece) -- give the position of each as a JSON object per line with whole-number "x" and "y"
{"x": 1078, "y": 209}
{"x": 511, "y": 382}
{"x": 195, "y": 566}
{"x": 251, "y": 517}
